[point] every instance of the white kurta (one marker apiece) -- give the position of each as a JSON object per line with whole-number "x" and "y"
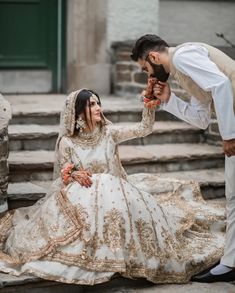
{"x": 85, "y": 235}
{"x": 193, "y": 61}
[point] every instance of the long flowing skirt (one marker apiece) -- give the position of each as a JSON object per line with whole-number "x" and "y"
{"x": 86, "y": 235}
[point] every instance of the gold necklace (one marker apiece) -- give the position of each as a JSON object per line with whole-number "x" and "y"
{"x": 89, "y": 139}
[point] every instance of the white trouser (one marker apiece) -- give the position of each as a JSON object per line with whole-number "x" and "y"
{"x": 229, "y": 251}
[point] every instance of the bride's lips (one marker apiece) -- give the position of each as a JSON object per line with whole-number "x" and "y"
{"x": 97, "y": 115}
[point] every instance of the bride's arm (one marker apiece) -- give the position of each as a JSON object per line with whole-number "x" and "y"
{"x": 69, "y": 171}
{"x": 64, "y": 154}
{"x": 141, "y": 129}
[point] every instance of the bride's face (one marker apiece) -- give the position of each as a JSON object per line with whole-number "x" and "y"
{"x": 93, "y": 110}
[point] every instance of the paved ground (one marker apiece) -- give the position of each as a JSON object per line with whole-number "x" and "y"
{"x": 188, "y": 288}
{"x": 114, "y": 286}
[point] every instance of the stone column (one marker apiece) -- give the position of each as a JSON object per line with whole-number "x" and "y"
{"x": 5, "y": 116}
{"x": 87, "y": 58}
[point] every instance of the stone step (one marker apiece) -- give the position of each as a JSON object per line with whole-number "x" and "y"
{"x": 116, "y": 115}
{"x": 37, "y": 165}
{"x": 211, "y": 182}
{"x": 35, "y": 137}
{"x": 25, "y": 284}
{"x": 32, "y": 137}
{"x": 45, "y": 109}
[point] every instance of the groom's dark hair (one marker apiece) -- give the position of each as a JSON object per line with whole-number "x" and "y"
{"x": 145, "y": 44}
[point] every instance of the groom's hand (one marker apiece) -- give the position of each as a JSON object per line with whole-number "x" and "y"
{"x": 229, "y": 147}
{"x": 161, "y": 90}
{"x": 149, "y": 89}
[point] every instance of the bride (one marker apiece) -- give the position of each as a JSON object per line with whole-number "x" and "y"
{"x": 95, "y": 221}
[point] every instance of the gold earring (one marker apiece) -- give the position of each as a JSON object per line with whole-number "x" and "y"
{"x": 80, "y": 124}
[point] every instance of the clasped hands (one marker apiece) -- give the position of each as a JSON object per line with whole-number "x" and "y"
{"x": 82, "y": 176}
{"x": 155, "y": 93}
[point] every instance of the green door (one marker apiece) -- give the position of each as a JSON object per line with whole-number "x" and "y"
{"x": 29, "y": 37}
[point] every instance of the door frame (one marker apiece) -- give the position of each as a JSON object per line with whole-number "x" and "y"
{"x": 59, "y": 78}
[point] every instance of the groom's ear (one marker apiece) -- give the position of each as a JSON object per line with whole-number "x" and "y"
{"x": 154, "y": 57}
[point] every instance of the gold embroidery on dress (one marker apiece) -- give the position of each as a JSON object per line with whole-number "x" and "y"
{"x": 132, "y": 249}
{"x": 5, "y": 225}
{"x": 114, "y": 231}
{"x": 66, "y": 158}
{"x": 95, "y": 167}
{"x": 147, "y": 238}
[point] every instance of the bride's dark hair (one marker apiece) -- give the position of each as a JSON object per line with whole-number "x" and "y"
{"x": 82, "y": 100}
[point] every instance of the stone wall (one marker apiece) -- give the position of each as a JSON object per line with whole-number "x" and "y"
{"x": 198, "y": 21}
{"x": 127, "y": 20}
{"x": 5, "y": 115}
{"x": 128, "y": 80}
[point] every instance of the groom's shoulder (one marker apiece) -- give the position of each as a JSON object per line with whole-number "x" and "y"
{"x": 186, "y": 50}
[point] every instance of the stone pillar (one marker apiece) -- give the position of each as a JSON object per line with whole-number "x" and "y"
{"x": 5, "y": 116}
{"x": 92, "y": 27}
{"x": 87, "y": 57}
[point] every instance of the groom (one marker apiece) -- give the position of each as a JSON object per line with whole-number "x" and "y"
{"x": 208, "y": 75}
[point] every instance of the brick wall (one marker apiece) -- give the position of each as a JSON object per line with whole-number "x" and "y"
{"x": 127, "y": 79}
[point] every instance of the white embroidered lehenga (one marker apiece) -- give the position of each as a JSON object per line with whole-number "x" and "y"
{"x": 86, "y": 235}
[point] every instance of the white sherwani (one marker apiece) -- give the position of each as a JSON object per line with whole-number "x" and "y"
{"x": 193, "y": 61}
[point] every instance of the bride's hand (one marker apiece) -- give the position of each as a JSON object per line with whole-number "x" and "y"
{"x": 82, "y": 176}
{"x": 150, "y": 101}
{"x": 151, "y": 104}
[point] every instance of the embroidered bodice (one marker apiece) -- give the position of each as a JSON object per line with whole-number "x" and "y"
{"x": 97, "y": 151}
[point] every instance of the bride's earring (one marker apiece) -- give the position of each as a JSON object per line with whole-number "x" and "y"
{"x": 80, "y": 124}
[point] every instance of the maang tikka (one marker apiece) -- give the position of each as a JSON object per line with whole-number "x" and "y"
{"x": 80, "y": 124}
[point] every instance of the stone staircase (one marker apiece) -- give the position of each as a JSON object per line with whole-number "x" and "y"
{"x": 174, "y": 149}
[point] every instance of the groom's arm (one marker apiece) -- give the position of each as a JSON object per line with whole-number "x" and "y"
{"x": 193, "y": 112}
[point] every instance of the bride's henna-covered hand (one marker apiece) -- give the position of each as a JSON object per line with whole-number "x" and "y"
{"x": 82, "y": 176}
{"x": 149, "y": 89}
{"x": 66, "y": 174}
{"x": 151, "y": 104}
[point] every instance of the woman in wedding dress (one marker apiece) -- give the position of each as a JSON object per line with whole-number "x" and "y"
{"x": 96, "y": 221}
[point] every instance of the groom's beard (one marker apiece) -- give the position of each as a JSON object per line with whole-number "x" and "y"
{"x": 159, "y": 72}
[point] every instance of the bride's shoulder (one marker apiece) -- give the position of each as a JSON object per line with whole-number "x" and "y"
{"x": 109, "y": 128}
{"x": 65, "y": 141}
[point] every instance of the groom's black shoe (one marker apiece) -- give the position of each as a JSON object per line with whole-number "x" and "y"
{"x": 206, "y": 270}
{"x": 209, "y": 278}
